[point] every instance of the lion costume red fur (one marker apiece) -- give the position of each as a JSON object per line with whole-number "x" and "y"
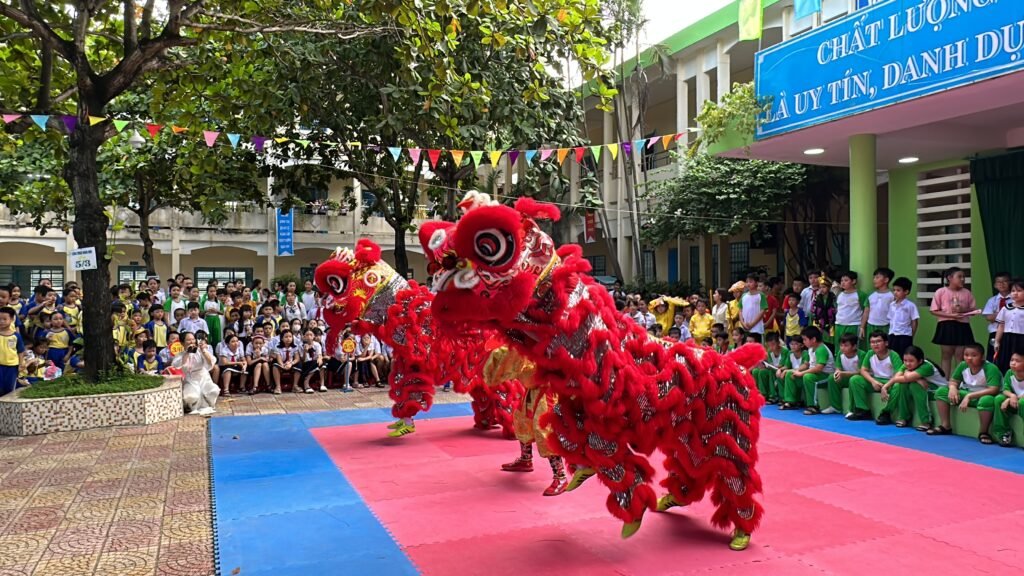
{"x": 621, "y": 394}
{"x": 364, "y": 293}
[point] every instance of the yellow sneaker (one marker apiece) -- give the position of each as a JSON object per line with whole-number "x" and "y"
{"x": 402, "y": 431}
{"x": 396, "y": 424}
{"x": 740, "y": 540}
{"x": 630, "y": 528}
{"x": 579, "y": 477}
{"x": 665, "y": 502}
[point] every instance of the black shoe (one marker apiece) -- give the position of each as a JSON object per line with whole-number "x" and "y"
{"x": 883, "y": 419}
{"x": 1006, "y": 440}
{"x": 858, "y": 415}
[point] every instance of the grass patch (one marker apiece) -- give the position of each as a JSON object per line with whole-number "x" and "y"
{"x": 74, "y": 385}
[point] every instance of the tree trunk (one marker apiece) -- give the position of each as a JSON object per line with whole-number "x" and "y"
{"x": 147, "y": 242}
{"x": 90, "y": 231}
{"x": 401, "y": 257}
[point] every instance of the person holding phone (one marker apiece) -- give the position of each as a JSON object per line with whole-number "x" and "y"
{"x": 195, "y": 362}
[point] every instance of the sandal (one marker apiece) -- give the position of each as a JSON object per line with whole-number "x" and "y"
{"x": 812, "y": 411}
{"x": 901, "y": 424}
{"x": 985, "y": 438}
{"x": 922, "y": 428}
{"x": 940, "y": 431}
{"x": 1006, "y": 440}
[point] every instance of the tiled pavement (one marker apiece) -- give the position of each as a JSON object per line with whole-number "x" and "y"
{"x": 127, "y": 501}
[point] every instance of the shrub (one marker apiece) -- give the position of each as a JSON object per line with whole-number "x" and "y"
{"x": 75, "y": 385}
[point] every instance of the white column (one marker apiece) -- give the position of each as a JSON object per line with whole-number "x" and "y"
{"x": 175, "y": 243}
{"x": 71, "y": 275}
{"x": 574, "y": 196}
{"x": 357, "y": 219}
{"x": 682, "y": 102}
{"x": 724, "y": 71}
{"x": 703, "y": 89}
{"x": 607, "y": 136}
{"x": 787, "y": 23}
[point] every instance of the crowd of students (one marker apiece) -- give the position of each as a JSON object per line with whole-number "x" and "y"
{"x": 825, "y": 333}
{"x": 257, "y": 339}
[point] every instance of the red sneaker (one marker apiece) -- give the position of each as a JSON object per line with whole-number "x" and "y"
{"x": 557, "y": 486}
{"x": 519, "y": 465}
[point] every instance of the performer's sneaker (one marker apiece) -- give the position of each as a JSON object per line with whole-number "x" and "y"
{"x": 630, "y": 528}
{"x": 580, "y": 476}
{"x": 520, "y": 465}
{"x": 558, "y": 484}
{"x": 402, "y": 431}
{"x": 740, "y": 540}
{"x": 396, "y": 424}
{"x": 666, "y": 502}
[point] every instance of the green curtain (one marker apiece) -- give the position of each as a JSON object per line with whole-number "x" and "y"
{"x": 999, "y": 183}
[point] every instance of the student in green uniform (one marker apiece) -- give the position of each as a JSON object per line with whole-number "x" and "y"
{"x": 912, "y": 384}
{"x": 847, "y": 366}
{"x": 876, "y": 372}
{"x": 820, "y": 368}
{"x": 974, "y": 383}
{"x": 850, "y": 304}
{"x": 798, "y": 360}
{"x": 776, "y": 356}
{"x": 1010, "y": 402}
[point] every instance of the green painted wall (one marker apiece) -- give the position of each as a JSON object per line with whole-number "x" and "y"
{"x": 903, "y": 249}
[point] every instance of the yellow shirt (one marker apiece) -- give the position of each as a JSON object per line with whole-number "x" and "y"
{"x": 10, "y": 346}
{"x": 700, "y": 326}
{"x": 160, "y": 334}
{"x": 59, "y": 339}
{"x": 122, "y": 337}
{"x": 72, "y": 315}
{"x": 793, "y": 324}
{"x": 668, "y": 317}
{"x": 734, "y": 315}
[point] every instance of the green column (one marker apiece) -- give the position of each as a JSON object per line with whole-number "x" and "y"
{"x": 863, "y": 207}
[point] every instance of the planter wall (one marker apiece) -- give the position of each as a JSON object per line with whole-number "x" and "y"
{"x": 21, "y": 417}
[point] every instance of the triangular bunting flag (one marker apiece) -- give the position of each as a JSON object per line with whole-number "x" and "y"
{"x": 596, "y": 151}
{"x": 513, "y": 155}
{"x": 666, "y": 140}
{"x": 259, "y": 142}
{"x": 613, "y": 149}
{"x": 395, "y": 152}
{"x": 562, "y": 153}
{"x": 281, "y": 140}
{"x": 211, "y": 137}
{"x": 178, "y": 129}
{"x": 153, "y": 130}
{"x": 40, "y": 120}
{"x": 433, "y": 156}
{"x": 457, "y": 156}
{"x": 627, "y": 148}
{"x": 580, "y": 151}
{"x": 545, "y": 153}
{"x": 638, "y": 145}
{"x": 414, "y": 153}
{"x": 680, "y": 135}
{"x": 477, "y": 156}
{"x": 529, "y": 155}
{"x": 8, "y": 118}
{"x": 303, "y": 143}
{"x": 94, "y": 120}
{"x": 495, "y": 157}
{"x": 70, "y": 122}
{"x": 651, "y": 141}
{"x": 120, "y": 125}
{"x": 234, "y": 138}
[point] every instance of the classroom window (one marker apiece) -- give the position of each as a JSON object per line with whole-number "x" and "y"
{"x": 28, "y": 277}
{"x": 131, "y": 275}
{"x": 739, "y": 260}
{"x": 202, "y": 276}
{"x": 598, "y": 265}
{"x": 307, "y": 273}
{"x": 647, "y": 261}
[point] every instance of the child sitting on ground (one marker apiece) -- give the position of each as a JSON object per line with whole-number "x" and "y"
{"x": 974, "y": 383}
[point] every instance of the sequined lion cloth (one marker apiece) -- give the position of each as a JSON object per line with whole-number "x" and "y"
{"x": 621, "y": 395}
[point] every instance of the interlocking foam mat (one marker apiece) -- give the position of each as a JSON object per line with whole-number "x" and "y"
{"x": 328, "y": 493}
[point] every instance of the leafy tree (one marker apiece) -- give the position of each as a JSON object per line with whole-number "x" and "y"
{"x": 721, "y": 196}
{"x": 79, "y": 57}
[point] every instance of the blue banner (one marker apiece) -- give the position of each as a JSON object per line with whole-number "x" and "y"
{"x": 285, "y": 233}
{"x": 893, "y": 51}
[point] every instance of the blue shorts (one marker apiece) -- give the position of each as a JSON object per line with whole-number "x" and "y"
{"x": 8, "y": 379}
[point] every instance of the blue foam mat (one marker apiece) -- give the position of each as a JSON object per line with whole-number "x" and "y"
{"x": 284, "y": 508}
{"x": 955, "y": 447}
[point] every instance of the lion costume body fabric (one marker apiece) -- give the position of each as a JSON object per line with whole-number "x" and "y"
{"x": 621, "y": 394}
{"x": 364, "y": 293}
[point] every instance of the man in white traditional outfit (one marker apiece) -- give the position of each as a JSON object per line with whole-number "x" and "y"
{"x": 197, "y": 388}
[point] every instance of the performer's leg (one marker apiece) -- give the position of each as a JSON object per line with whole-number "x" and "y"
{"x": 558, "y": 480}
{"x": 525, "y": 461}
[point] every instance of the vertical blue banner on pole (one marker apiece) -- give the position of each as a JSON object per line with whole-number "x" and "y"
{"x": 285, "y": 233}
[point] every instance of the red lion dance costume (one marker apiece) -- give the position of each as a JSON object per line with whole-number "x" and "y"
{"x": 621, "y": 394}
{"x": 362, "y": 292}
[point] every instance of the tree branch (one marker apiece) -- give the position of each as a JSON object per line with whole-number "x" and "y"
{"x": 131, "y": 30}
{"x": 28, "y": 17}
{"x": 45, "y": 77}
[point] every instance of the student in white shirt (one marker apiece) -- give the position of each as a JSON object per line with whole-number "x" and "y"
{"x": 752, "y": 306}
{"x": 903, "y": 317}
{"x": 876, "y": 313}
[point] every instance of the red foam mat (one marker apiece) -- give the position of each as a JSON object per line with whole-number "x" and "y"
{"x": 834, "y": 506}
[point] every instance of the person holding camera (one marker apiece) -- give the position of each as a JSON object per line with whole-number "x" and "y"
{"x": 197, "y": 387}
